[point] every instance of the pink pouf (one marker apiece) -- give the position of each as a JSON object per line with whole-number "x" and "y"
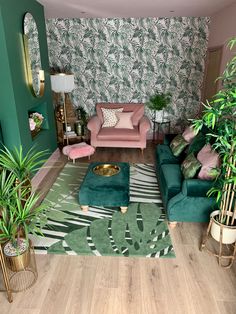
{"x": 78, "y": 151}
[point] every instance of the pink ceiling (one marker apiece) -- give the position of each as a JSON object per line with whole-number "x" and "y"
{"x": 132, "y": 8}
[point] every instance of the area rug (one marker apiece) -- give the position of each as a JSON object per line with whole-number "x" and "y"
{"x": 142, "y": 231}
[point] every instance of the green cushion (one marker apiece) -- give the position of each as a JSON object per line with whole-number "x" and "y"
{"x": 190, "y": 166}
{"x": 178, "y": 144}
{"x": 105, "y": 191}
{"x": 197, "y": 144}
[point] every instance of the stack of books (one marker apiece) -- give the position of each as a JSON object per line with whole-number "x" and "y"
{"x": 70, "y": 134}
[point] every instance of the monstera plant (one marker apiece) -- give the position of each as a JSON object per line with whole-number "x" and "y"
{"x": 219, "y": 116}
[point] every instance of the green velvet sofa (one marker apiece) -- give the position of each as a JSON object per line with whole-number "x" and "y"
{"x": 183, "y": 200}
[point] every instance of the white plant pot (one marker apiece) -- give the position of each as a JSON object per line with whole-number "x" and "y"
{"x": 229, "y": 232}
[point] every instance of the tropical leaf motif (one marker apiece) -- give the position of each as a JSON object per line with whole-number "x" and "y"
{"x": 128, "y": 235}
{"x": 135, "y": 56}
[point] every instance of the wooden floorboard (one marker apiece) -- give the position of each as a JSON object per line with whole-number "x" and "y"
{"x": 190, "y": 283}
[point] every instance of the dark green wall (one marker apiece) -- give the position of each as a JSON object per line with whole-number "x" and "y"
{"x": 16, "y": 97}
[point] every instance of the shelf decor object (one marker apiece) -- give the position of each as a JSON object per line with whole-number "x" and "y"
{"x": 63, "y": 83}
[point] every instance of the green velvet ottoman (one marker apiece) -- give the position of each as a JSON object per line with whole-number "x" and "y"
{"x": 112, "y": 191}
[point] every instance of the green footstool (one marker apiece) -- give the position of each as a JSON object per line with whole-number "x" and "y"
{"x": 105, "y": 190}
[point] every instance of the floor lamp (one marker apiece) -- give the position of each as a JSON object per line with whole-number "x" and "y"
{"x": 63, "y": 83}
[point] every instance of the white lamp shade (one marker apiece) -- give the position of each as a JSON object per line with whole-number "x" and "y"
{"x": 62, "y": 83}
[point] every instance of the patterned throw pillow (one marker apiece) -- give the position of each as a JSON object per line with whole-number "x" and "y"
{"x": 109, "y": 117}
{"x": 178, "y": 144}
{"x": 210, "y": 161}
{"x": 190, "y": 166}
{"x": 189, "y": 134}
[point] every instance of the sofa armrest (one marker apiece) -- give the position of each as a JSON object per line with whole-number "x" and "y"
{"x": 168, "y": 138}
{"x": 94, "y": 124}
{"x": 144, "y": 125}
{"x": 196, "y": 187}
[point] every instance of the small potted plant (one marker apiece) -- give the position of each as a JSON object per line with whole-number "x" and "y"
{"x": 219, "y": 117}
{"x": 158, "y": 102}
{"x": 35, "y": 122}
{"x": 18, "y": 220}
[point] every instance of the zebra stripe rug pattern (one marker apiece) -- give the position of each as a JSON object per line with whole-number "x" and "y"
{"x": 142, "y": 231}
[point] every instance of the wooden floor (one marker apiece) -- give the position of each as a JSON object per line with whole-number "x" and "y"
{"x": 191, "y": 283}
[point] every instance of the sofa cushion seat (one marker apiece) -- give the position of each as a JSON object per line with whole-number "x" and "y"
{"x": 165, "y": 155}
{"x": 171, "y": 181}
{"x": 113, "y": 134}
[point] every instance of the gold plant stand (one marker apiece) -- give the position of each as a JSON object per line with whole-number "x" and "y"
{"x": 221, "y": 257}
{"x": 22, "y": 278}
{"x": 5, "y": 276}
{"x": 226, "y": 222}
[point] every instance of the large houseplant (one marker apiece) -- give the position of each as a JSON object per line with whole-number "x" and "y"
{"x": 20, "y": 212}
{"x": 219, "y": 116}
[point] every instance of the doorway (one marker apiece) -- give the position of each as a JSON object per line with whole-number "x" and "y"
{"x": 212, "y": 72}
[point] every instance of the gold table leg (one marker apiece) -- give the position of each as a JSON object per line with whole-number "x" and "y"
{"x": 5, "y": 276}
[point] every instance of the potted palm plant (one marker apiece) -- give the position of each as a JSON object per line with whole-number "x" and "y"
{"x": 20, "y": 211}
{"x": 18, "y": 220}
{"x": 219, "y": 117}
{"x": 22, "y": 165}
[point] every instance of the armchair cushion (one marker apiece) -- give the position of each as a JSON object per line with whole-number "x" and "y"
{"x": 113, "y": 134}
{"x": 109, "y": 116}
{"x": 124, "y": 120}
{"x": 137, "y": 109}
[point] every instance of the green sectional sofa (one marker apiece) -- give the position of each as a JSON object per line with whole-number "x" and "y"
{"x": 183, "y": 200}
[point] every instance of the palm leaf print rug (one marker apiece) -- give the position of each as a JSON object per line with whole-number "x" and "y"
{"x": 142, "y": 231}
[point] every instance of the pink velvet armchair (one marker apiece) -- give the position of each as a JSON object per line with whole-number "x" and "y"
{"x": 120, "y": 137}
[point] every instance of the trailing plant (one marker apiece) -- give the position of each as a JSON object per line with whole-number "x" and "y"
{"x": 219, "y": 116}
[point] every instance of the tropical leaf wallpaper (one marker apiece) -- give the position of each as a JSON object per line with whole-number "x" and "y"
{"x": 127, "y": 60}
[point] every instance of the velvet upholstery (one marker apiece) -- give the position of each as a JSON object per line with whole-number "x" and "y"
{"x": 105, "y": 191}
{"x": 183, "y": 199}
{"x": 119, "y": 137}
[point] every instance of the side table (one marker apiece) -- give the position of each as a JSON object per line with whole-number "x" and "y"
{"x": 158, "y": 126}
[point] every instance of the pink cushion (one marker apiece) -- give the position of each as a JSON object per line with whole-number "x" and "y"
{"x": 107, "y": 134}
{"x": 78, "y": 150}
{"x": 136, "y": 108}
{"x": 189, "y": 134}
{"x": 209, "y": 160}
{"x": 124, "y": 120}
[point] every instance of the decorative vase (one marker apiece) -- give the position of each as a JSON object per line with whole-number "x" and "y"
{"x": 217, "y": 228}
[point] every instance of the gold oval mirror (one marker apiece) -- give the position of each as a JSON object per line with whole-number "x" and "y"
{"x": 33, "y": 59}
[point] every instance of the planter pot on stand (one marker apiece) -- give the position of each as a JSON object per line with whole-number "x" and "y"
{"x": 224, "y": 235}
{"x": 21, "y": 265}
